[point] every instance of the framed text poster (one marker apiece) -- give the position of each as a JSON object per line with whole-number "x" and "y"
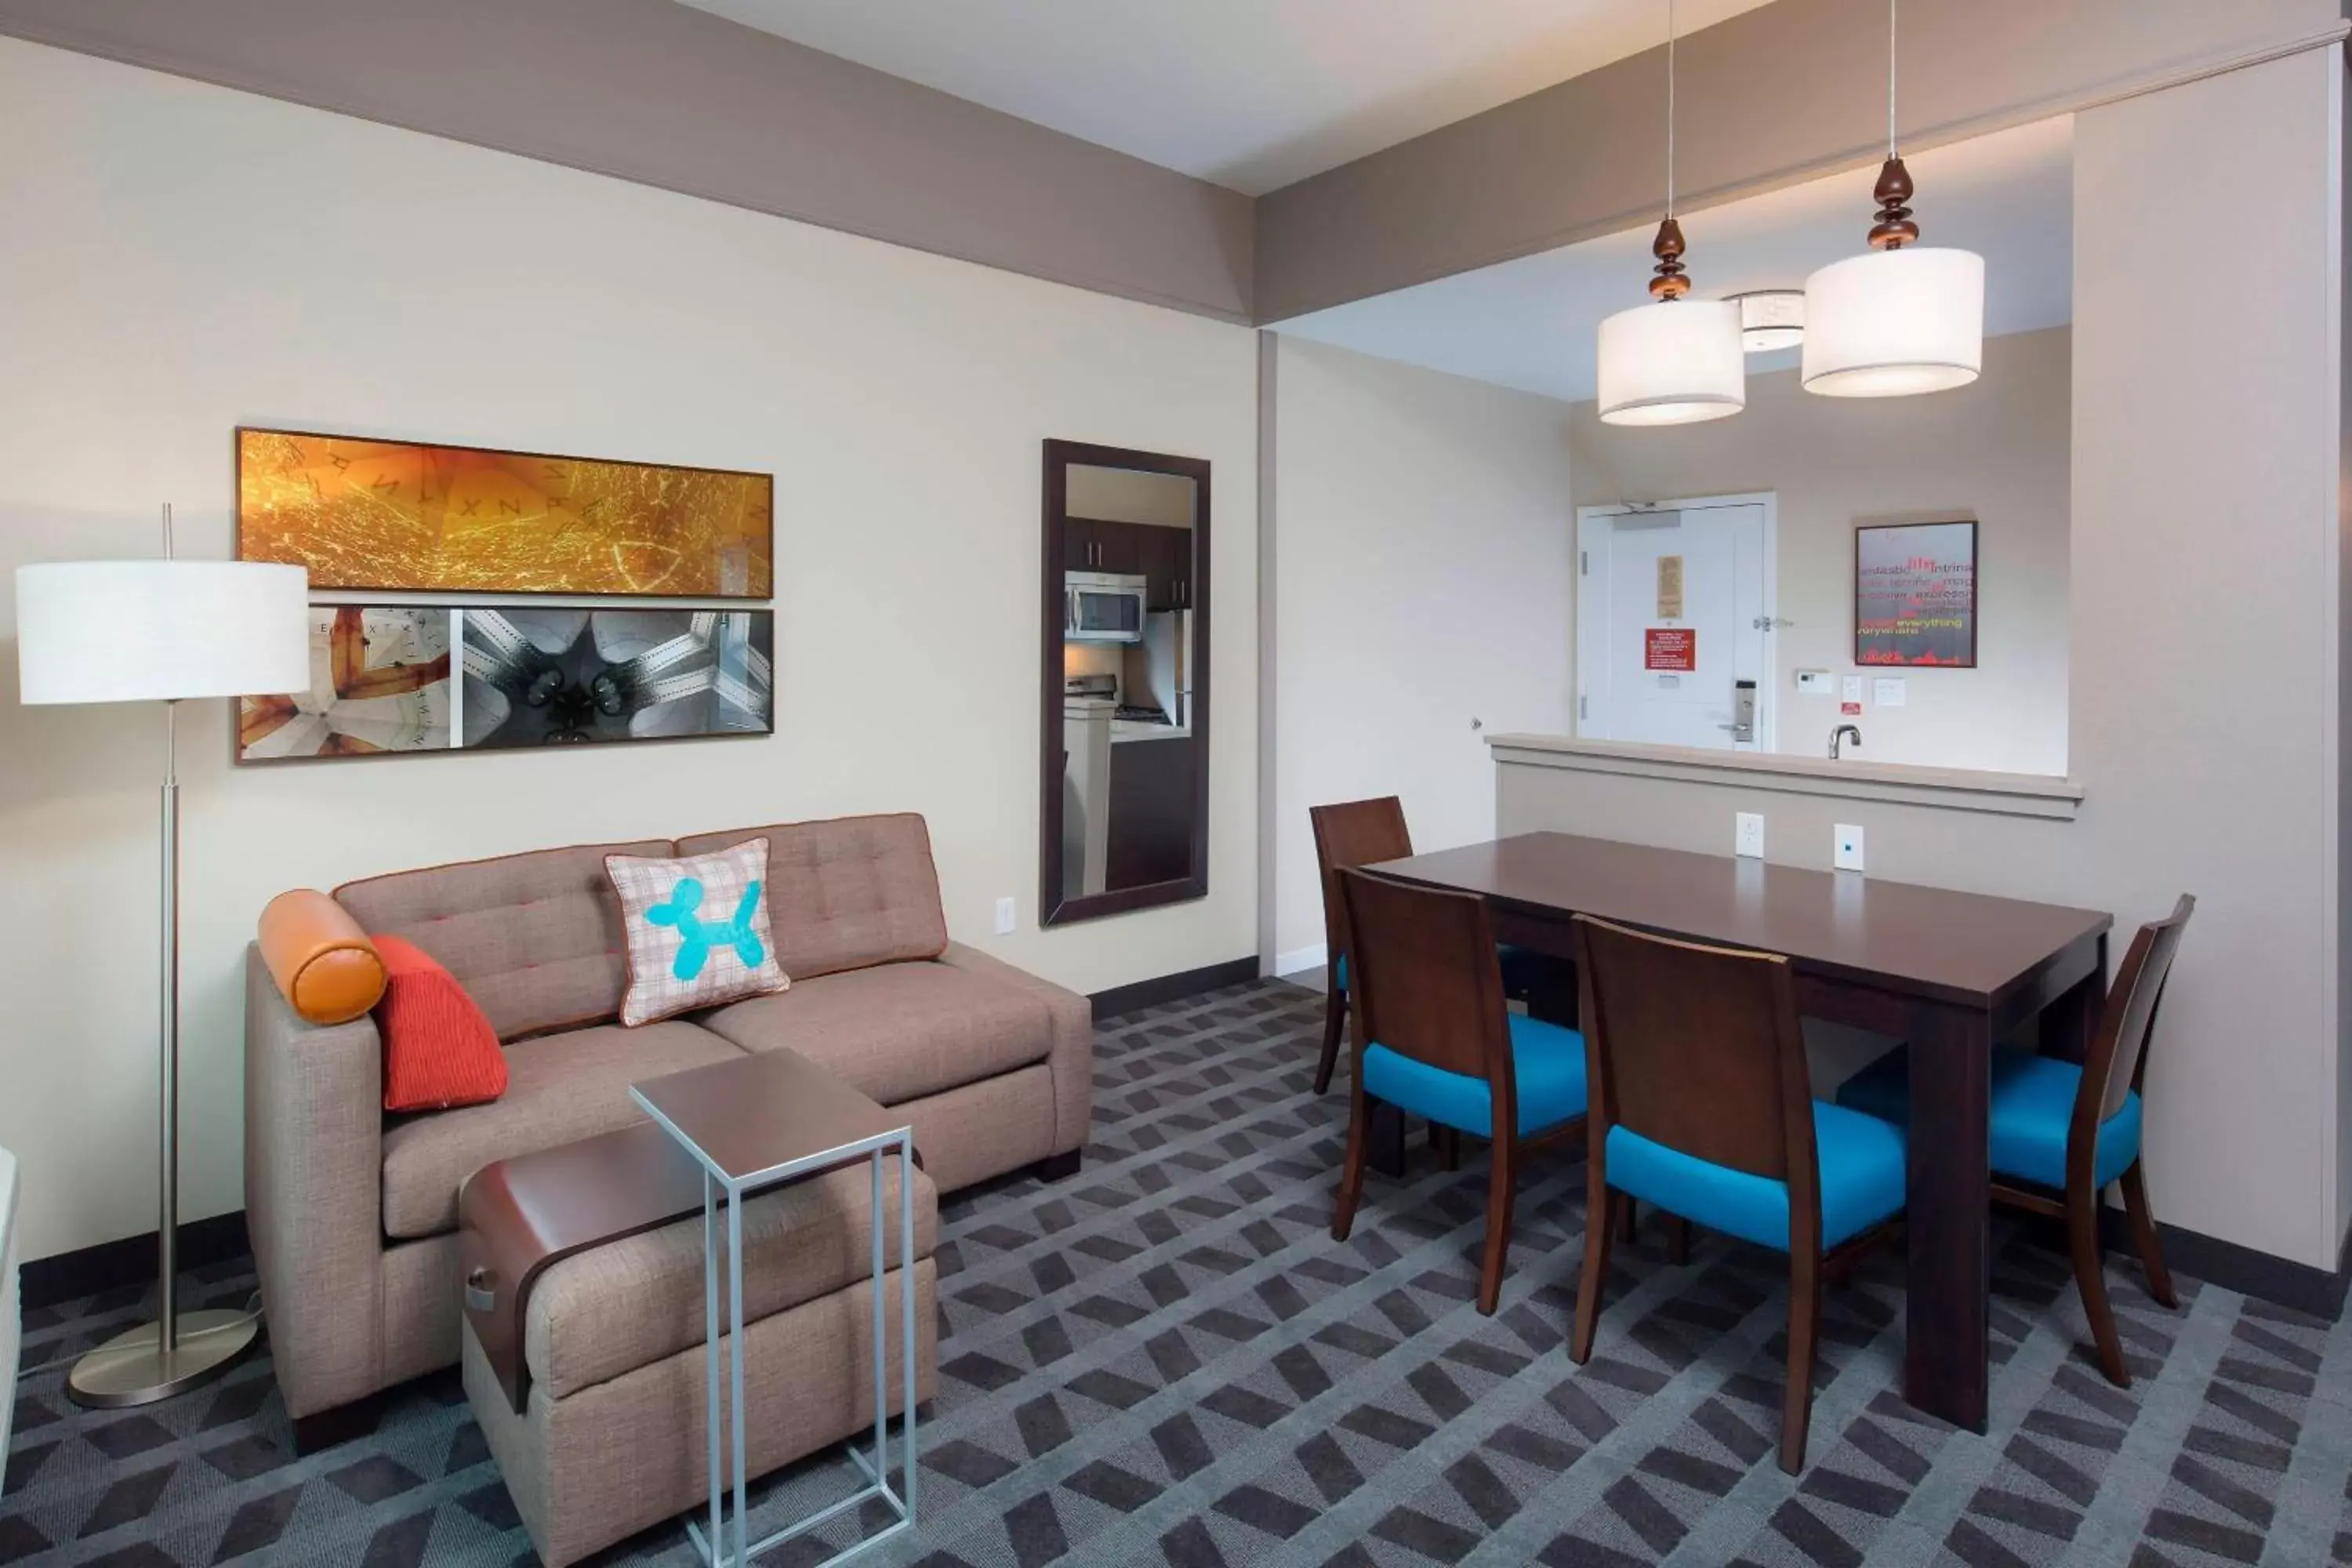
{"x": 1915, "y": 595}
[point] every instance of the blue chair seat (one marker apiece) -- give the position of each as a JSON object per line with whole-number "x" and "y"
{"x": 1547, "y": 1070}
{"x": 2032, "y": 1106}
{"x": 1862, "y": 1168}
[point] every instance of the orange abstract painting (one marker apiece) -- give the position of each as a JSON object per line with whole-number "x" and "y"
{"x": 401, "y": 516}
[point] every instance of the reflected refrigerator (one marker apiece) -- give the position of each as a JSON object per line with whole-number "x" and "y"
{"x": 1168, "y": 653}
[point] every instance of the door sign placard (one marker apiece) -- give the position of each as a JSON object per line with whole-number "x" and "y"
{"x": 1670, "y": 647}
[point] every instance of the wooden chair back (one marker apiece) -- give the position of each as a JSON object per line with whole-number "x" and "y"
{"x": 2118, "y": 1054}
{"x": 1425, "y": 979}
{"x": 1353, "y": 833}
{"x": 1699, "y": 1048}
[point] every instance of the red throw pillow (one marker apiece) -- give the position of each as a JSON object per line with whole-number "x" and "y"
{"x": 438, "y": 1049}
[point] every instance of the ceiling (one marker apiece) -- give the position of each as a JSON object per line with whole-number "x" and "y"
{"x": 1533, "y": 323}
{"x": 1251, "y": 94}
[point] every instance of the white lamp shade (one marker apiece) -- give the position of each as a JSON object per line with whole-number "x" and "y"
{"x": 1892, "y": 323}
{"x": 1672, "y": 362}
{"x": 131, "y": 631}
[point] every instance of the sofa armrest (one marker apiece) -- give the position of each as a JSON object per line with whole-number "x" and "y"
{"x": 313, "y": 1194}
{"x": 1071, "y": 1060}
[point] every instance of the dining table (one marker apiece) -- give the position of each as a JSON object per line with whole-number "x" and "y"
{"x": 1954, "y": 974}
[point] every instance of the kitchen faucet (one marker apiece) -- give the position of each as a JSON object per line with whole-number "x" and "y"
{"x": 1840, "y": 733}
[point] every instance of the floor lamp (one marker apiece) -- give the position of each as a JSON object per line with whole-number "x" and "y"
{"x": 163, "y": 631}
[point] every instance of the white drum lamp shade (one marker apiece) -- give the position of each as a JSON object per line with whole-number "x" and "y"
{"x": 1672, "y": 362}
{"x": 133, "y": 631}
{"x": 1895, "y": 322}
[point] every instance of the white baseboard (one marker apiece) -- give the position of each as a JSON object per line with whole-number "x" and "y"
{"x": 1300, "y": 959}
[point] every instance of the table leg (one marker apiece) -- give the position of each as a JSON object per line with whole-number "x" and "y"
{"x": 1946, "y": 1369}
{"x": 710, "y": 1346}
{"x": 1384, "y": 1139}
{"x": 2068, "y": 1023}
{"x": 881, "y": 1339}
{"x": 907, "y": 1330}
{"x": 735, "y": 1365}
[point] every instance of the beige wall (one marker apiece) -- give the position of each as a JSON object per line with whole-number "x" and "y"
{"x": 679, "y": 97}
{"x": 182, "y": 258}
{"x": 1423, "y": 580}
{"x": 1996, "y": 451}
{"x": 2207, "y": 630}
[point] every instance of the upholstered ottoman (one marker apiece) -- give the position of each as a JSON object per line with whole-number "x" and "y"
{"x": 611, "y": 1437}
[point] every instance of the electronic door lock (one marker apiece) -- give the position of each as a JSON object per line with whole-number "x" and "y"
{"x": 1743, "y": 711}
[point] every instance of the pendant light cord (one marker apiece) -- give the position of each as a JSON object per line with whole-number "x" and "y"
{"x": 1670, "y": 106}
{"x": 1890, "y": 78}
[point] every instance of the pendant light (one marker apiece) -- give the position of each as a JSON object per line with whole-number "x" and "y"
{"x": 1674, "y": 361}
{"x": 1897, "y": 320}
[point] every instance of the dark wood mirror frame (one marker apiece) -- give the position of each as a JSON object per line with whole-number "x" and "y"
{"x": 1054, "y": 907}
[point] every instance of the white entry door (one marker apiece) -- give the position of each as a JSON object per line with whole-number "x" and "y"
{"x": 1673, "y": 611}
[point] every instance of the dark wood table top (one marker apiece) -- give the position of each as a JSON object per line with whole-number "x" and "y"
{"x": 764, "y": 1110}
{"x": 1932, "y": 943}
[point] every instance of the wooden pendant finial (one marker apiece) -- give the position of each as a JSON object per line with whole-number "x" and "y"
{"x": 1895, "y": 228}
{"x": 1670, "y": 283}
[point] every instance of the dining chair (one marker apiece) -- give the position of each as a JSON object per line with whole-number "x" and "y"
{"x": 1703, "y": 1106}
{"x": 2062, "y": 1133}
{"x": 1433, "y": 1038}
{"x": 1352, "y": 833}
{"x": 1364, "y": 832}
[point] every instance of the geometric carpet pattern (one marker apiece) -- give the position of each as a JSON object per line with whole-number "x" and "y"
{"x": 1167, "y": 1359}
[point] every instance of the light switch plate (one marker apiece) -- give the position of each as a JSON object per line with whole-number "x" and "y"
{"x": 1005, "y": 916}
{"x": 1852, "y": 692}
{"x": 1748, "y": 834}
{"x": 1847, "y": 847}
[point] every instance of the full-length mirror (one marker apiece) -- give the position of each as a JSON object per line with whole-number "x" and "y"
{"x": 1123, "y": 818}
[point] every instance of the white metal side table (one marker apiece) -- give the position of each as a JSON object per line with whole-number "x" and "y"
{"x": 766, "y": 1120}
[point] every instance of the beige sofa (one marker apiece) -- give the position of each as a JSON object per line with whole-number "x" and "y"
{"x": 353, "y": 1213}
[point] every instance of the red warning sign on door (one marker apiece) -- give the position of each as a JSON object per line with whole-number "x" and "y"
{"x": 1670, "y": 647}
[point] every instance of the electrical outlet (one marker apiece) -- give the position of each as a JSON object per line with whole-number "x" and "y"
{"x": 1848, "y": 848}
{"x": 1005, "y": 916}
{"x": 1748, "y": 834}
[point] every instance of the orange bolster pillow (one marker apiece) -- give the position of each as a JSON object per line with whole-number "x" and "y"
{"x": 325, "y": 966}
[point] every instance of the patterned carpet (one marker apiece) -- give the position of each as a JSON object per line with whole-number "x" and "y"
{"x": 1168, "y": 1360}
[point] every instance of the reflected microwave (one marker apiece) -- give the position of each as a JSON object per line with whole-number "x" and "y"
{"x": 1102, "y": 607}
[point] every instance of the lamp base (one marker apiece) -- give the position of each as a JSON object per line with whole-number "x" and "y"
{"x": 132, "y": 1369}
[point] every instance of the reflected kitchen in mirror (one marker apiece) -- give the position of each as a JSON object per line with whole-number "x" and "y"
{"x": 1123, "y": 818}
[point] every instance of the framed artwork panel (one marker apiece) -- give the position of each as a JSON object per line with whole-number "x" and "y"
{"x": 1915, "y": 595}
{"x": 397, "y": 516}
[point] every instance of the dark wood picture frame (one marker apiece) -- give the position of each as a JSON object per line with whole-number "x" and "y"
{"x": 1976, "y": 572}
{"x": 1053, "y": 907}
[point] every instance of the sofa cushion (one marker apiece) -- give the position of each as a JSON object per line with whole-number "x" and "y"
{"x": 615, "y": 1307}
{"x": 438, "y": 1049}
{"x": 698, "y": 928}
{"x": 898, "y": 1031}
{"x": 535, "y": 939}
{"x": 844, "y": 894}
{"x": 560, "y": 1088}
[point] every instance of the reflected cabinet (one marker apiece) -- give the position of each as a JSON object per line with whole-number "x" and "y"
{"x": 1123, "y": 807}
